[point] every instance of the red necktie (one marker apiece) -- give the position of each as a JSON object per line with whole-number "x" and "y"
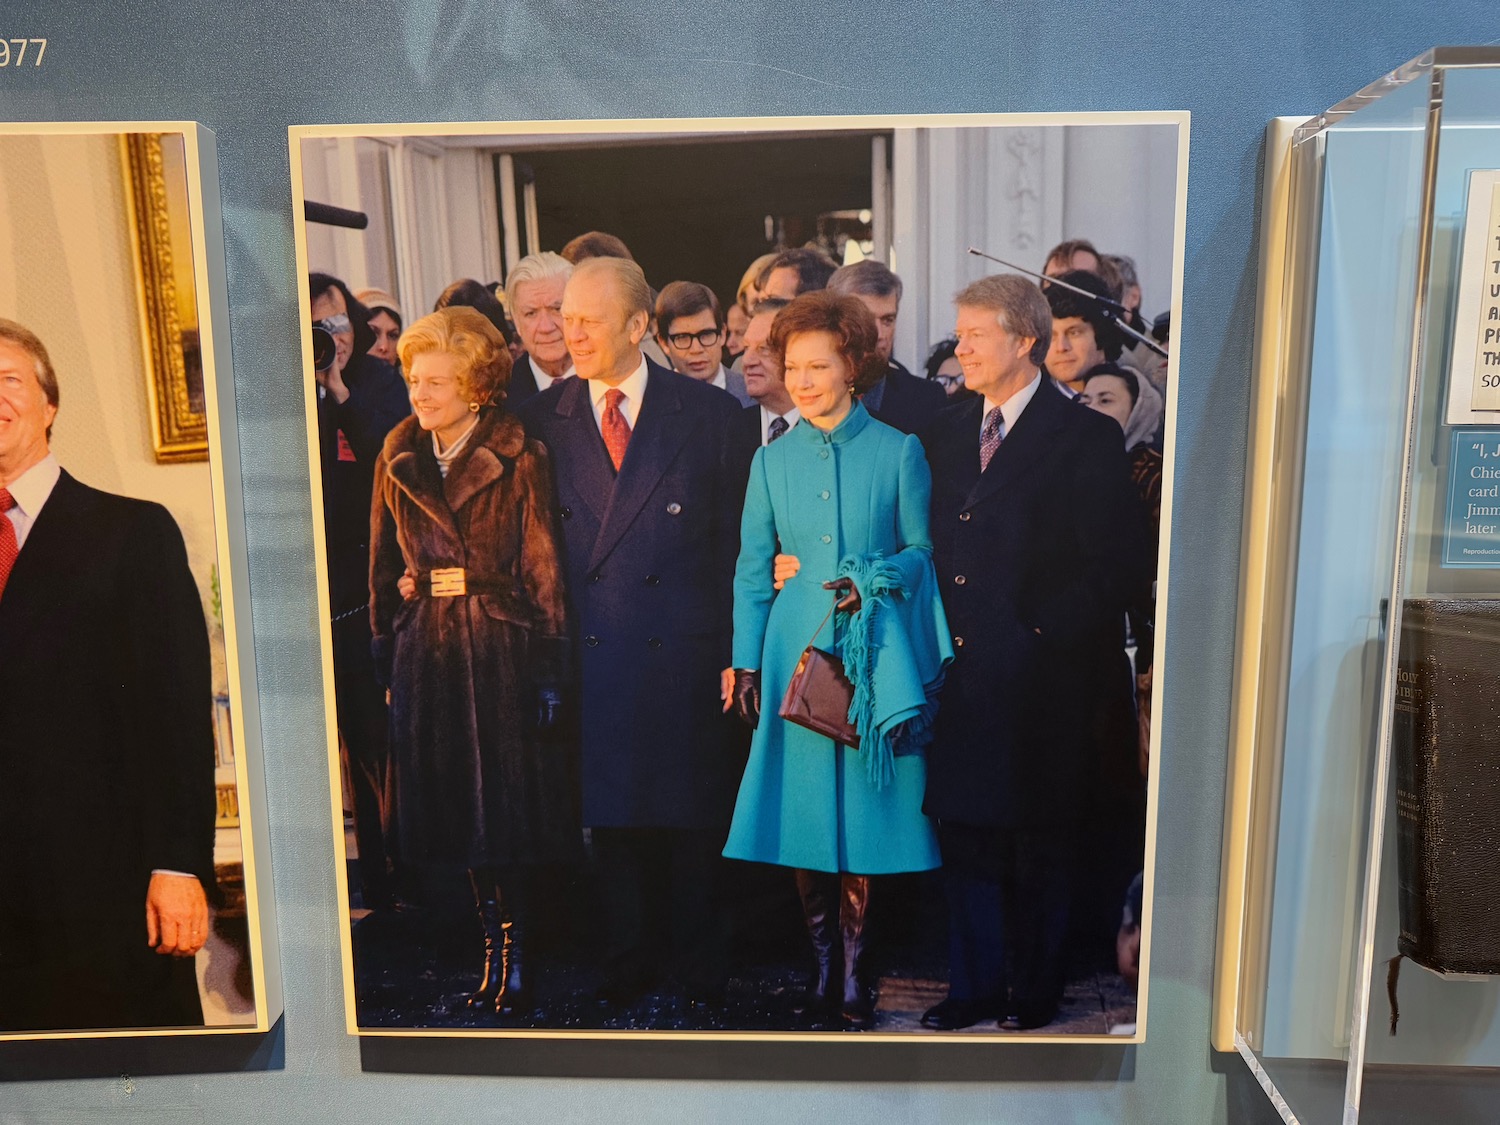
{"x": 614, "y": 427}
{"x": 9, "y": 549}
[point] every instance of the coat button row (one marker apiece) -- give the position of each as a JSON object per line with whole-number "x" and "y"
{"x": 963, "y": 517}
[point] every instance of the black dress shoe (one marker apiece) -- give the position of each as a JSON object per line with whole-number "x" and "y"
{"x": 952, "y": 1014}
{"x": 1028, "y": 1019}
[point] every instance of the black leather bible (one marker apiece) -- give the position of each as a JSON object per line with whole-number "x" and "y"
{"x": 1446, "y": 745}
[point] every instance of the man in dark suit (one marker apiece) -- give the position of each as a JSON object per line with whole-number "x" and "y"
{"x": 534, "y": 292}
{"x": 901, "y": 399}
{"x": 106, "y": 738}
{"x": 1039, "y": 542}
{"x": 690, "y": 329}
{"x": 772, "y": 412}
{"x": 649, "y": 492}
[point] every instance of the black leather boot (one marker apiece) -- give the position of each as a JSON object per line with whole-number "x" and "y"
{"x": 496, "y": 927}
{"x": 817, "y": 912}
{"x": 854, "y": 905}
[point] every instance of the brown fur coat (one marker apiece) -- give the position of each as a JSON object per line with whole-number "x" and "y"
{"x": 473, "y": 782}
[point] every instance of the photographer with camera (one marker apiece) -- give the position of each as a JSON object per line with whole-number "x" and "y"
{"x": 360, "y": 399}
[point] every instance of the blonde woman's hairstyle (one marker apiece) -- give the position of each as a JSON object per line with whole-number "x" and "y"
{"x": 484, "y": 360}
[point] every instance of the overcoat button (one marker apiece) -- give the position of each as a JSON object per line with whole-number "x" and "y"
{"x": 963, "y": 517}
{"x": 822, "y": 454}
{"x": 674, "y": 508}
{"x": 591, "y": 641}
{"x": 567, "y": 513}
{"x": 959, "y": 580}
{"x": 653, "y": 642}
{"x": 828, "y": 538}
{"x": 652, "y": 580}
{"x": 595, "y": 577}
{"x": 824, "y": 494}
{"x": 958, "y": 642}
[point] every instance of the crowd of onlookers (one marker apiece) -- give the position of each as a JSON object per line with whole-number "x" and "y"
{"x": 579, "y": 530}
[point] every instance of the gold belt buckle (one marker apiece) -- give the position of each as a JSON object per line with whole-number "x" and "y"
{"x": 448, "y": 582}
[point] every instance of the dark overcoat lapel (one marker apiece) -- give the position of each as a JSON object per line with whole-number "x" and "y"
{"x": 654, "y": 445}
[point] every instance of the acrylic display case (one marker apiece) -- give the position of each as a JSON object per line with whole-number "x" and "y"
{"x": 1363, "y": 423}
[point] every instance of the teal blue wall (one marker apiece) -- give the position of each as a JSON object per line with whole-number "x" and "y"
{"x": 250, "y": 70}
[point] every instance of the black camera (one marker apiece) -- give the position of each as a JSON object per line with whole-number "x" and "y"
{"x": 325, "y": 349}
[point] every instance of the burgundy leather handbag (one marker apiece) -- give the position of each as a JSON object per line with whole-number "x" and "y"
{"x": 818, "y": 694}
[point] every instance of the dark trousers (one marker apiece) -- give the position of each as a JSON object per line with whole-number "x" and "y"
{"x": 96, "y": 975}
{"x": 364, "y": 745}
{"x": 659, "y": 889}
{"x": 1009, "y": 894}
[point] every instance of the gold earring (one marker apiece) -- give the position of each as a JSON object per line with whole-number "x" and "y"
{"x": 474, "y": 407}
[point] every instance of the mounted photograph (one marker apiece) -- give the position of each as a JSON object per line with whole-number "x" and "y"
{"x": 742, "y": 546}
{"x": 134, "y": 869}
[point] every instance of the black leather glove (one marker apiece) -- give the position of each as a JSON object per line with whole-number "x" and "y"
{"x": 850, "y": 602}
{"x": 549, "y": 709}
{"x": 746, "y": 697}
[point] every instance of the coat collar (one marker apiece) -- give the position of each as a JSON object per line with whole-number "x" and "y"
{"x": 497, "y": 440}
{"x": 1023, "y": 446}
{"x": 47, "y": 564}
{"x": 654, "y": 445}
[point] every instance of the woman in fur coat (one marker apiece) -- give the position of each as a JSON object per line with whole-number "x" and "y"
{"x": 467, "y": 606}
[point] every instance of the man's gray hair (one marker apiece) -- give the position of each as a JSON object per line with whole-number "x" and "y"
{"x": 1017, "y": 303}
{"x": 535, "y": 267}
{"x": 30, "y": 343}
{"x": 868, "y": 278}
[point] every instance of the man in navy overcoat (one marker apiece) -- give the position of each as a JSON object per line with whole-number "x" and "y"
{"x": 1039, "y": 540}
{"x": 649, "y": 491}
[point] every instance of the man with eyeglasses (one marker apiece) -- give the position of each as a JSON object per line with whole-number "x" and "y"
{"x": 360, "y": 398}
{"x": 690, "y": 328}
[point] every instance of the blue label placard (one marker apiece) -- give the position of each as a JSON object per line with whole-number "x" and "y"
{"x": 1472, "y": 535}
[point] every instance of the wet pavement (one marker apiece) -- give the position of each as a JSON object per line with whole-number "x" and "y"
{"x": 414, "y": 966}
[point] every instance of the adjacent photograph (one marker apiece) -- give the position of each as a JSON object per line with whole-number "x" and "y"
{"x": 127, "y": 869}
{"x": 742, "y": 546}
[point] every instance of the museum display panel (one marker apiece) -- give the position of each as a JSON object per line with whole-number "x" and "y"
{"x": 136, "y": 877}
{"x": 444, "y": 894}
{"x": 1367, "y": 584}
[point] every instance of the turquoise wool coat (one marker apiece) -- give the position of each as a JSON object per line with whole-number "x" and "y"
{"x": 854, "y": 501}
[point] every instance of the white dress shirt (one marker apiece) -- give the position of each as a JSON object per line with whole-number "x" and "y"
{"x": 30, "y": 491}
{"x": 721, "y": 378}
{"x": 1011, "y": 408}
{"x": 632, "y": 387}
{"x": 792, "y": 416}
{"x": 543, "y": 380}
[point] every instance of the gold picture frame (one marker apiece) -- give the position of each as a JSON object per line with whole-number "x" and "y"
{"x": 156, "y": 194}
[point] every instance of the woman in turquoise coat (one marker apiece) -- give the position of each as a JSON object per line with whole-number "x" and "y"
{"x": 848, "y": 497}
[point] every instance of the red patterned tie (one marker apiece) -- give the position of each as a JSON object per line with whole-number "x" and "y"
{"x": 616, "y": 430}
{"x": 8, "y": 547}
